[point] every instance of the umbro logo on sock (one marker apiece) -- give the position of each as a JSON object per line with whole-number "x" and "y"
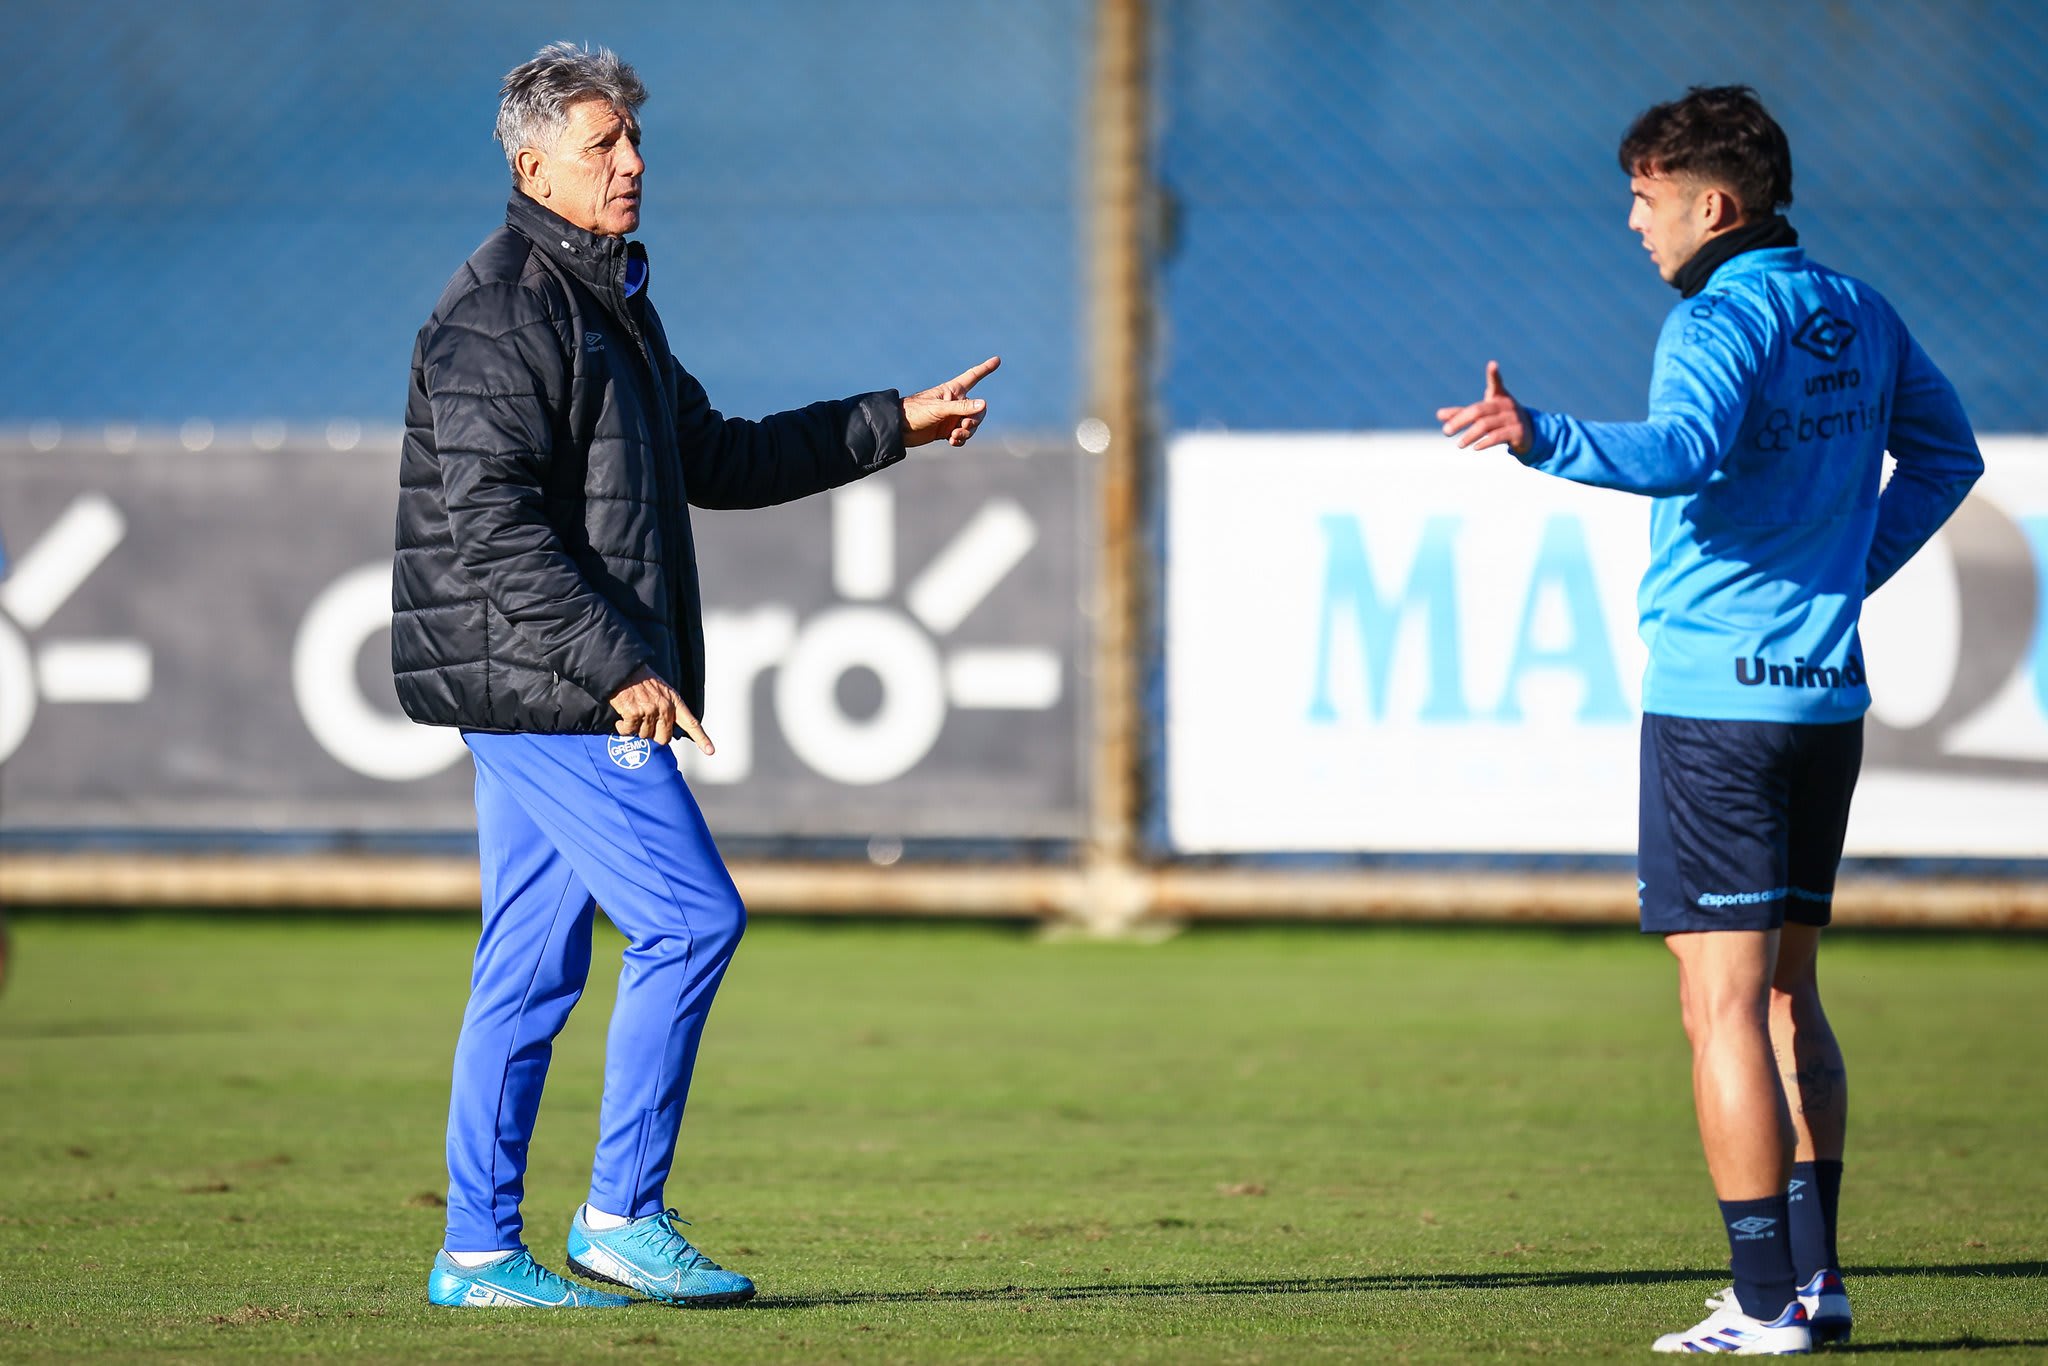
{"x": 1753, "y": 1228}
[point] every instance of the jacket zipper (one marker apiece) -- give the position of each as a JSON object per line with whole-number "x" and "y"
{"x": 665, "y": 450}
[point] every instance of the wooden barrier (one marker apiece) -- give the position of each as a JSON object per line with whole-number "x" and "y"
{"x": 1096, "y": 900}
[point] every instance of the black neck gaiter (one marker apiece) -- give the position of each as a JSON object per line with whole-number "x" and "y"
{"x": 1774, "y": 231}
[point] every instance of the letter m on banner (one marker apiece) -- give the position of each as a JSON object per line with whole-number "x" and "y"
{"x": 1351, "y": 599}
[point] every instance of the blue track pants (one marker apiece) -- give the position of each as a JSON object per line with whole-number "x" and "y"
{"x": 564, "y": 823}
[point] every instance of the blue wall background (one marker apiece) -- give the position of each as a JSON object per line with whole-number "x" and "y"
{"x": 245, "y": 211}
{"x": 1371, "y": 200}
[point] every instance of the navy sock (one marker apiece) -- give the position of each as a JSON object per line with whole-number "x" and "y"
{"x": 1759, "y": 1255}
{"x": 1830, "y": 1174}
{"x": 1807, "y": 1222}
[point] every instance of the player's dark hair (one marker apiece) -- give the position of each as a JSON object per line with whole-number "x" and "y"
{"x": 1721, "y": 134}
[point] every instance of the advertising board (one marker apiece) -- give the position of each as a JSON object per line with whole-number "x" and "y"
{"x": 1379, "y": 643}
{"x": 194, "y": 635}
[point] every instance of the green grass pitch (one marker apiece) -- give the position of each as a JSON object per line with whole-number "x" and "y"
{"x": 221, "y": 1141}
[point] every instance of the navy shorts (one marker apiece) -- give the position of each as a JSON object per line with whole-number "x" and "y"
{"x": 1742, "y": 822}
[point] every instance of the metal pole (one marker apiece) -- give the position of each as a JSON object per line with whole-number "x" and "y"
{"x": 1119, "y": 333}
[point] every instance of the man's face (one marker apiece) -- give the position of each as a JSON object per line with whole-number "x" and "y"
{"x": 1672, "y": 218}
{"x": 591, "y": 176}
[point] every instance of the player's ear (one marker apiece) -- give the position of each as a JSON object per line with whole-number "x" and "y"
{"x": 528, "y": 162}
{"x": 1719, "y": 209}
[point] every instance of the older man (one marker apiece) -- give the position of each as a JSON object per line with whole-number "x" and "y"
{"x": 546, "y": 602}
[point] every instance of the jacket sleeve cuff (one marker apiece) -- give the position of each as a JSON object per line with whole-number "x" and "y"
{"x": 877, "y": 437}
{"x": 616, "y": 672}
{"x": 1543, "y": 434}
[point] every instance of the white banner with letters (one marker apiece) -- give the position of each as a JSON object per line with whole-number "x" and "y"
{"x": 1376, "y": 642}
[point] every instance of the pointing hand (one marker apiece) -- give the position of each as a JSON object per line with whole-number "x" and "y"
{"x": 652, "y": 710}
{"x": 944, "y": 410}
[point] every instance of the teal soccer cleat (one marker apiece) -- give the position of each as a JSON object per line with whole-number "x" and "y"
{"x": 649, "y": 1257}
{"x": 514, "y": 1282}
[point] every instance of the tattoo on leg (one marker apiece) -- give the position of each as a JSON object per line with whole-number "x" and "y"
{"x": 1818, "y": 1087}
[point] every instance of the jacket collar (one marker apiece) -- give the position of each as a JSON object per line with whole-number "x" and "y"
{"x": 1766, "y": 234}
{"x": 598, "y": 262}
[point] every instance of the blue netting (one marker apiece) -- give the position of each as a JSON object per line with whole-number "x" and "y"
{"x": 243, "y": 210}
{"x": 1371, "y": 200}
{"x": 246, "y": 210}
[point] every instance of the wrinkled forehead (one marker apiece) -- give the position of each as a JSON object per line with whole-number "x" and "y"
{"x": 597, "y": 117}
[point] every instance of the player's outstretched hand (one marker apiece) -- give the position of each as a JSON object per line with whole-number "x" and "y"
{"x": 944, "y": 411}
{"x": 1495, "y": 420}
{"x": 652, "y": 710}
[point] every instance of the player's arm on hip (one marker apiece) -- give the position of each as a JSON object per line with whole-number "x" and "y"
{"x": 1936, "y": 463}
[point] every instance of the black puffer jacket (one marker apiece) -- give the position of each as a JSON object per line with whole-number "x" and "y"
{"x": 552, "y": 447}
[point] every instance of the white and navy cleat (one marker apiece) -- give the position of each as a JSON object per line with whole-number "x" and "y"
{"x": 1827, "y": 1308}
{"x": 1730, "y": 1330}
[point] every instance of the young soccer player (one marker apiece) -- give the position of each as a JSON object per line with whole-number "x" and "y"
{"x": 1777, "y": 388}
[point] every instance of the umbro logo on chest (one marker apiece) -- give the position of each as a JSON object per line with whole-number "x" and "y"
{"x": 593, "y": 342}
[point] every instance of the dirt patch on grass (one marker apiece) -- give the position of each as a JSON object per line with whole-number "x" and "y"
{"x": 256, "y": 1313}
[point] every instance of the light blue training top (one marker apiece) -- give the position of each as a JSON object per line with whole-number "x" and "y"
{"x": 1775, "y": 393}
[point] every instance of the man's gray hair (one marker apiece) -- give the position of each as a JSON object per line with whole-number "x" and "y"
{"x": 533, "y": 103}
